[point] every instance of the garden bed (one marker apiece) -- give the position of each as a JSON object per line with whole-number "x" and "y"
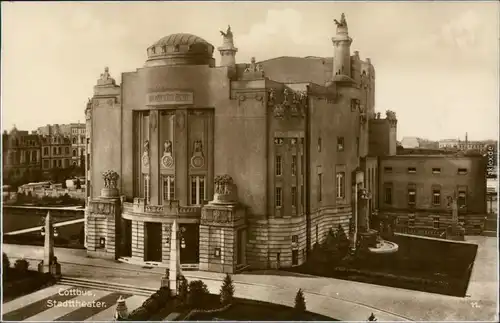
{"x": 250, "y": 310}
{"x": 194, "y": 303}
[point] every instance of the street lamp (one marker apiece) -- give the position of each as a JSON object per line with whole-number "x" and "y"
{"x": 56, "y": 232}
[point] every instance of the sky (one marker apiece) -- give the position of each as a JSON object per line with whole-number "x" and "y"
{"x": 436, "y": 62}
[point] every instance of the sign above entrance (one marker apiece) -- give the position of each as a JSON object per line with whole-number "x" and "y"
{"x": 169, "y": 98}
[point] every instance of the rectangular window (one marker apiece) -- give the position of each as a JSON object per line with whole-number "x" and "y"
{"x": 146, "y": 188}
{"x": 54, "y": 151}
{"x": 197, "y": 190}
{"x": 46, "y": 164}
{"x": 278, "y": 197}
{"x": 168, "y": 188}
{"x": 294, "y": 196}
{"x": 340, "y": 143}
{"x": 279, "y": 166}
{"x": 412, "y": 195}
{"x": 387, "y": 169}
{"x": 357, "y": 146}
{"x": 319, "y": 144}
{"x": 59, "y": 163}
{"x": 462, "y": 198}
{"x": 46, "y": 151}
{"x": 66, "y": 150}
{"x": 411, "y": 220}
{"x": 355, "y": 104}
{"x": 436, "y": 196}
{"x": 302, "y": 195}
{"x": 320, "y": 187}
{"x": 436, "y": 170}
{"x": 294, "y": 165}
{"x": 54, "y": 163}
{"x": 435, "y": 222}
{"x": 295, "y": 238}
{"x": 412, "y": 170}
{"x": 388, "y": 194}
{"x": 462, "y": 171}
{"x": 340, "y": 185}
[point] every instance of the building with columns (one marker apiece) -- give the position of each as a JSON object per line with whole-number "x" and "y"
{"x": 255, "y": 161}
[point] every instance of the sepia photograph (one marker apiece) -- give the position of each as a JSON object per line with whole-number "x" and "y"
{"x": 250, "y": 161}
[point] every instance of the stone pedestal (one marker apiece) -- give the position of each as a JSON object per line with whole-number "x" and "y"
{"x": 104, "y": 224}
{"x": 109, "y": 192}
{"x": 218, "y": 236}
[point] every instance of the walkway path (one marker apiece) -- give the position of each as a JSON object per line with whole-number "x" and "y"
{"x": 344, "y": 300}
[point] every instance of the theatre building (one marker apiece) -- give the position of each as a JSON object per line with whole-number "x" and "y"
{"x": 256, "y": 161}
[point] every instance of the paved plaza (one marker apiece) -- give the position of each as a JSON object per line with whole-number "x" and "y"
{"x": 344, "y": 300}
{"x": 68, "y": 303}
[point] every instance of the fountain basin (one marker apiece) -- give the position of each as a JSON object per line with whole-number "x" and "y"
{"x": 384, "y": 247}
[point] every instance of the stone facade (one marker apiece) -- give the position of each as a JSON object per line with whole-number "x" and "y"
{"x": 287, "y": 132}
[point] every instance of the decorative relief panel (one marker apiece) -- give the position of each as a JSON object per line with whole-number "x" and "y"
{"x": 167, "y": 161}
{"x": 217, "y": 216}
{"x": 288, "y": 103}
{"x": 198, "y": 158}
{"x": 101, "y": 208}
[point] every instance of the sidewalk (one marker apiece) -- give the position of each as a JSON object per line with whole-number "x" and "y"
{"x": 344, "y": 300}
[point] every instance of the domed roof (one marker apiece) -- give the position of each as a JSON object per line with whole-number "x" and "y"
{"x": 180, "y": 39}
{"x": 180, "y": 49}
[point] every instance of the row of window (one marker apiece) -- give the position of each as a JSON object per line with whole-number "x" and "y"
{"x": 57, "y": 163}
{"x": 279, "y": 165}
{"x": 435, "y": 170}
{"x": 436, "y": 224}
{"x": 197, "y": 192}
{"x": 340, "y": 189}
{"x": 58, "y": 151}
{"x": 75, "y": 140}
{"x": 412, "y": 195}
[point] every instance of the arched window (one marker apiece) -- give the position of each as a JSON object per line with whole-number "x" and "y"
{"x": 74, "y": 152}
{"x": 74, "y": 140}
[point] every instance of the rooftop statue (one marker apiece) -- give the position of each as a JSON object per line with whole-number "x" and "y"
{"x": 342, "y": 23}
{"x": 228, "y": 34}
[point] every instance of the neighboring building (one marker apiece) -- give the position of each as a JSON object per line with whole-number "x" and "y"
{"x": 466, "y": 145}
{"x": 21, "y": 156}
{"x": 56, "y": 152}
{"x": 175, "y": 124}
{"x": 415, "y": 189}
{"x": 78, "y": 143}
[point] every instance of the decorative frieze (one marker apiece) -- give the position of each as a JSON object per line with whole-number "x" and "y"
{"x": 172, "y": 208}
{"x": 101, "y": 208}
{"x": 288, "y": 103}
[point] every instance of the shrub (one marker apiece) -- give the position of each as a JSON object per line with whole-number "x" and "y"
{"x": 197, "y": 293}
{"x": 227, "y": 291}
{"x": 6, "y": 262}
{"x": 182, "y": 294}
{"x": 300, "y": 302}
{"x": 22, "y": 265}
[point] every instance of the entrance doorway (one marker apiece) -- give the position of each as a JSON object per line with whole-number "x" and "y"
{"x": 127, "y": 238}
{"x": 153, "y": 242}
{"x": 189, "y": 235}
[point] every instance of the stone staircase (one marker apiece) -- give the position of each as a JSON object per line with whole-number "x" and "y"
{"x": 491, "y": 225}
{"x": 107, "y": 286}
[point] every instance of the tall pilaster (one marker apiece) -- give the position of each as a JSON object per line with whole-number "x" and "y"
{"x": 154, "y": 158}
{"x": 181, "y": 157}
